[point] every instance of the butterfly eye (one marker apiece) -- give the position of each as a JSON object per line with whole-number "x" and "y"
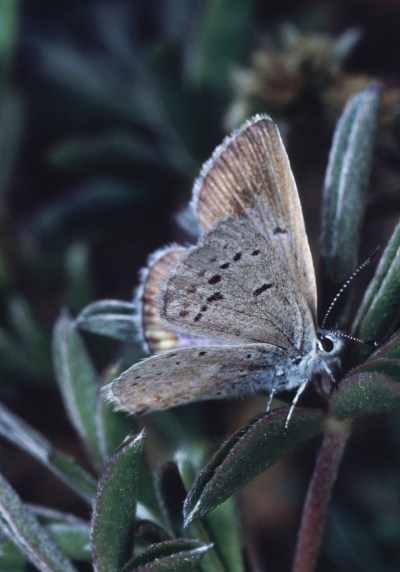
{"x": 326, "y": 343}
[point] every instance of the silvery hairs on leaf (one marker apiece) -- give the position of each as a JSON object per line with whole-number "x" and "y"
{"x": 237, "y": 311}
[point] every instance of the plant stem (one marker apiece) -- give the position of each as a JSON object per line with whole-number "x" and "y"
{"x": 319, "y": 495}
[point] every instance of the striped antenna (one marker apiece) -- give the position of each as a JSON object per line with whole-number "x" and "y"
{"x": 347, "y": 284}
{"x": 341, "y": 334}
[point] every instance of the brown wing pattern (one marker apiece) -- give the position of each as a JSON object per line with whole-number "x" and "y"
{"x": 153, "y": 330}
{"x": 234, "y": 287}
{"x": 249, "y": 175}
{"x": 155, "y": 333}
{"x": 197, "y": 373}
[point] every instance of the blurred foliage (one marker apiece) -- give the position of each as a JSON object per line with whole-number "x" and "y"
{"x": 107, "y": 110}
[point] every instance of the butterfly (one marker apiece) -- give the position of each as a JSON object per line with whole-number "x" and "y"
{"x": 235, "y": 314}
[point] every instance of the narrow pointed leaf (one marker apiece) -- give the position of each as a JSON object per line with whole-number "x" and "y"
{"x": 246, "y": 454}
{"x": 78, "y": 384}
{"x": 344, "y": 188}
{"x": 114, "y": 510}
{"x": 23, "y": 529}
{"x": 18, "y": 432}
{"x": 179, "y": 555}
{"x": 222, "y": 526}
{"x": 111, "y": 318}
{"x": 180, "y": 476}
{"x": 380, "y": 309}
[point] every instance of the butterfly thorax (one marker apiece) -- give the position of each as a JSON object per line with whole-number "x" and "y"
{"x": 320, "y": 363}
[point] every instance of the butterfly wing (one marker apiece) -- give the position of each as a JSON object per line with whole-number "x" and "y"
{"x": 153, "y": 330}
{"x": 249, "y": 175}
{"x": 233, "y": 286}
{"x": 197, "y": 373}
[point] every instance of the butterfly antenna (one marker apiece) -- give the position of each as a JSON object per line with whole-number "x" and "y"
{"x": 346, "y": 285}
{"x": 341, "y": 334}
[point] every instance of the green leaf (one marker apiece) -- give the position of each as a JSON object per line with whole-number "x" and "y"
{"x": 72, "y": 539}
{"x": 369, "y": 389}
{"x": 25, "y": 351}
{"x": 222, "y": 43}
{"x": 111, "y": 318}
{"x": 379, "y": 310}
{"x": 63, "y": 466}
{"x": 112, "y": 426}
{"x": 344, "y": 188}
{"x": 172, "y": 482}
{"x": 23, "y": 529}
{"x": 246, "y": 454}
{"x": 390, "y": 349}
{"x": 11, "y": 559}
{"x": 222, "y": 526}
{"x": 8, "y": 28}
{"x": 373, "y": 387}
{"x": 178, "y": 555}
{"x": 78, "y": 384}
{"x": 115, "y": 506}
{"x": 78, "y": 288}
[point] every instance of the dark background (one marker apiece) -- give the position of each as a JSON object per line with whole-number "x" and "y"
{"x": 107, "y": 111}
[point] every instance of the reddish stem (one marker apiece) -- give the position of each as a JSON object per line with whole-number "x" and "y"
{"x": 319, "y": 495}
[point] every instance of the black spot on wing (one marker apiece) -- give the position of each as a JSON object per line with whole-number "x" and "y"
{"x": 215, "y": 297}
{"x": 262, "y": 289}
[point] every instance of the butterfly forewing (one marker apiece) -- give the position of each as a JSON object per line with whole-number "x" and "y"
{"x": 249, "y": 175}
{"x": 197, "y": 373}
{"x": 233, "y": 286}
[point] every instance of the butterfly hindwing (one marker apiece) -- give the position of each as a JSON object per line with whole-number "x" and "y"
{"x": 197, "y": 373}
{"x": 155, "y": 333}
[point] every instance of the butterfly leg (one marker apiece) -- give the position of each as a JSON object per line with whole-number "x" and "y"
{"x": 270, "y": 398}
{"x": 295, "y": 400}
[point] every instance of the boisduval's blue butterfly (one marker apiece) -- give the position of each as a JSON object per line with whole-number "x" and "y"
{"x": 236, "y": 313}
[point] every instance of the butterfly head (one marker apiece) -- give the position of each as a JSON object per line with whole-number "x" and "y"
{"x": 329, "y": 343}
